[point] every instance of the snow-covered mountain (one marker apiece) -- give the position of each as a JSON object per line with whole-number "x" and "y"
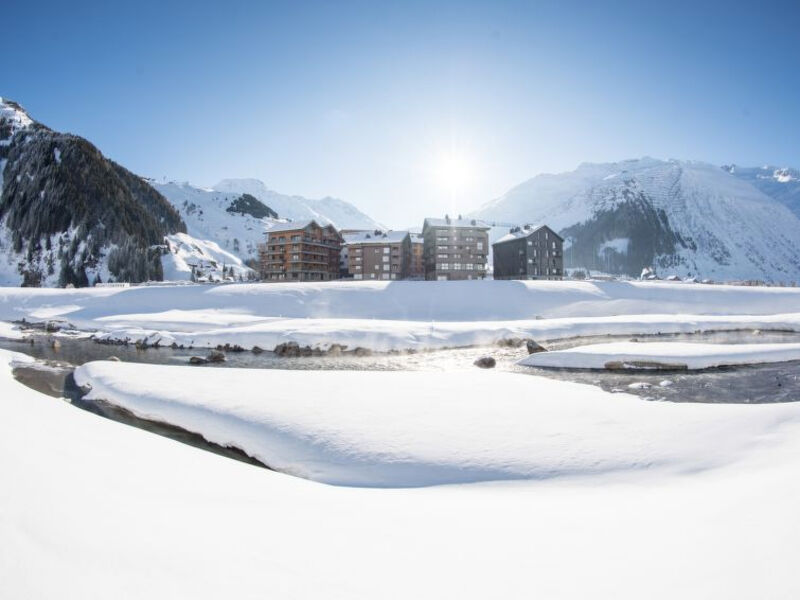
{"x": 780, "y": 183}
{"x": 686, "y": 218}
{"x": 338, "y": 213}
{"x": 211, "y": 215}
{"x": 69, "y": 215}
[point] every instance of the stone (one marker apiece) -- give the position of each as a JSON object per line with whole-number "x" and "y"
{"x": 533, "y": 347}
{"x": 257, "y": 350}
{"x": 215, "y": 356}
{"x": 485, "y": 362}
{"x": 197, "y": 360}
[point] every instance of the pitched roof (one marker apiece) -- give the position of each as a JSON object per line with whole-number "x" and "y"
{"x": 375, "y": 237}
{"x": 291, "y": 226}
{"x": 456, "y": 223}
{"x": 522, "y": 232}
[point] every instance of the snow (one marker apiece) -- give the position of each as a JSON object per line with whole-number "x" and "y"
{"x": 145, "y": 513}
{"x": 332, "y": 427}
{"x": 618, "y": 245}
{"x": 208, "y": 221}
{"x": 732, "y": 230}
{"x": 663, "y": 355}
{"x": 206, "y": 256}
{"x": 57, "y": 155}
{"x": 404, "y": 314}
{"x": 10, "y": 331}
{"x": 333, "y": 211}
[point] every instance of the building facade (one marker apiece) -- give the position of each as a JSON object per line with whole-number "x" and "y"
{"x": 416, "y": 269}
{"x": 378, "y": 255}
{"x": 300, "y": 251}
{"x": 455, "y": 249}
{"x": 529, "y": 253}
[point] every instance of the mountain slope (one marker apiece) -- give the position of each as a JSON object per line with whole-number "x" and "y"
{"x": 218, "y": 217}
{"x": 68, "y": 215}
{"x": 339, "y": 213}
{"x": 686, "y": 218}
{"x": 782, "y": 184}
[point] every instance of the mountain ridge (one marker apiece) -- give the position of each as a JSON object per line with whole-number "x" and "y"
{"x": 689, "y": 218}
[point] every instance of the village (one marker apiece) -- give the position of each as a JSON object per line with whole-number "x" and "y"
{"x": 447, "y": 249}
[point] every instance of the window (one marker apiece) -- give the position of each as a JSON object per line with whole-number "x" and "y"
{"x": 444, "y": 256}
{"x": 386, "y": 250}
{"x": 394, "y": 276}
{"x": 357, "y": 276}
{"x": 554, "y": 245}
{"x": 295, "y": 238}
{"x": 456, "y": 266}
{"x": 468, "y": 266}
{"x": 385, "y": 276}
{"x": 372, "y": 275}
{"x": 385, "y": 259}
{"x": 480, "y": 245}
{"x": 441, "y": 278}
{"x": 358, "y": 259}
{"x": 530, "y": 243}
{"x": 479, "y": 266}
{"x": 377, "y": 267}
{"x": 295, "y": 257}
{"x": 530, "y": 261}
{"x": 444, "y": 266}
{"x": 385, "y": 267}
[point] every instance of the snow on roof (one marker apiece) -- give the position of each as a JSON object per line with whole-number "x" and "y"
{"x": 456, "y": 223}
{"x": 290, "y": 226}
{"x": 375, "y": 237}
{"x": 521, "y": 232}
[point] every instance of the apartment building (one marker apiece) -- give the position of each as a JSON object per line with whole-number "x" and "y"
{"x": 416, "y": 269}
{"x": 529, "y": 252}
{"x": 300, "y": 251}
{"x": 455, "y": 249}
{"x": 374, "y": 255}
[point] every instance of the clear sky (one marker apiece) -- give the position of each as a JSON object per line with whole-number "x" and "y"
{"x": 408, "y": 109}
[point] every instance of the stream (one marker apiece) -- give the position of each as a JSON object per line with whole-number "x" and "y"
{"x": 768, "y": 383}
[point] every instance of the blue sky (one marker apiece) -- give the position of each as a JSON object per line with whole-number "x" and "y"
{"x": 408, "y": 109}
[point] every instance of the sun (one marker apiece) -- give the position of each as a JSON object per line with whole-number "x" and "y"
{"x": 453, "y": 171}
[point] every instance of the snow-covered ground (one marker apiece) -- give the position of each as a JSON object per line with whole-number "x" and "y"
{"x": 424, "y": 428}
{"x": 405, "y": 314}
{"x": 676, "y": 355}
{"x": 91, "y": 507}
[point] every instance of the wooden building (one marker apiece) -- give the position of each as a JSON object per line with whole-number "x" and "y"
{"x": 300, "y": 251}
{"x": 416, "y": 269}
{"x": 529, "y": 252}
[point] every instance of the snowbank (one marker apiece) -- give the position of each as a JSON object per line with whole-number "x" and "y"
{"x": 10, "y": 331}
{"x": 92, "y": 508}
{"x": 405, "y": 314}
{"x": 663, "y": 355}
{"x": 424, "y": 428}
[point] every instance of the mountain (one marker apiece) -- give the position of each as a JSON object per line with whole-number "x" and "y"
{"x": 338, "y": 213}
{"x": 69, "y": 215}
{"x": 684, "y": 218}
{"x": 780, "y": 183}
{"x": 234, "y": 222}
